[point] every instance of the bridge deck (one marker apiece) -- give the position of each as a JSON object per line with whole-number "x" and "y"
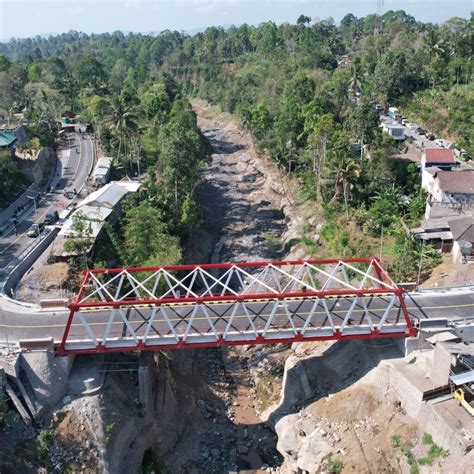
{"x": 233, "y": 304}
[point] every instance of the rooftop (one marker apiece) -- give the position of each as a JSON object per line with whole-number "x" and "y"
{"x": 439, "y": 155}
{"x": 109, "y": 195}
{"x": 104, "y": 162}
{"x": 459, "y": 182}
{"x": 462, "y": 228}
{"x": 7, "y": 138}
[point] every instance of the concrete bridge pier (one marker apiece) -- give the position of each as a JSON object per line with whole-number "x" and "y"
{"x": 146, "y": 381}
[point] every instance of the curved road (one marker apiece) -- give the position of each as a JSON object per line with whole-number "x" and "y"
{"x": 73, "y": 172}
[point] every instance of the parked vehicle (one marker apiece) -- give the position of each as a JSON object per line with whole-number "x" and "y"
{"x": 439, "y": 142}
{"x": 405, "y": 121}
{"x": 461, "y": 154}
{"x": 51, "y": 218}
{"x": 393, "y": 113}
{"x": 68, "y": 194}
{"x": 430, "y": 136}
{"x": 421, "y": 131}
{"x": 35, "y": 230}
{"x": 413, "y": 126}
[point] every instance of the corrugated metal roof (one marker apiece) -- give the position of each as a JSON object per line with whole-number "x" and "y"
{"x": 442, "y": 337}
{"x": 7, "y": 138}
{"x": 462, "y": 379}
{"x": 442, "y": 235}
{"x": 108, "y": 196}
{"x": 104, "y": 162}
{"x": 95, "y": 217}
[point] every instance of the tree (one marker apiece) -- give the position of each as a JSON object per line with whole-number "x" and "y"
{"x": 4, "y": 63}
{"x": 303, "y": 20}
{"x": 392, "y": 76}
{"x": 363, "y": 122}
{"x": 412, "y": 258}
{"x": 433, "y": 44}
{"x": 90, "y": 72}
{"x": 121, "y": 118}
{"x": 146, "y": 239}
{"x": 81, "y": 239}
{"x": 320, "y": 130}
{"x": 10, "y": 177}
{"x": 260, "y": 120}
{"x": 342, "y": 170}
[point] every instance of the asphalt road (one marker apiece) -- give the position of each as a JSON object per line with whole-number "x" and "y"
{"x": 419, "y": 140}
{"x": 73, "y": 174}
{"x": 22, "y": 322}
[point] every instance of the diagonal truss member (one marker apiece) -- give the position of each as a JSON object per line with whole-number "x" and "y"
{"x": 231, "y": 304}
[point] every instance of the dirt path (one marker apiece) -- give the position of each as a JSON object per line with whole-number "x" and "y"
{"x": 241, "y": 221}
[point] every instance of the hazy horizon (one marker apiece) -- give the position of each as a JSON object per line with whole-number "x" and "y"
{"x": 27, "y": 18}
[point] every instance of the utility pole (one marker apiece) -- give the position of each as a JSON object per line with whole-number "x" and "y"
{"x": 381, "y": 243}
{"x": 419, "y": 265}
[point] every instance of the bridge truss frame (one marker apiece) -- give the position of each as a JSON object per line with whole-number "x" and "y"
{"x": 267, "y": 295}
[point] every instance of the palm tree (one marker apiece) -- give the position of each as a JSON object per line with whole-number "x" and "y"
{"x": 355, "y": 81}
{"x": 342, "y": 170}
{"x": 434, "y": 44}
{"x": 121, "y": 119}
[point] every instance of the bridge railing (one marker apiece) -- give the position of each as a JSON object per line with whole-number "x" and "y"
{"x": 240, "y": 303}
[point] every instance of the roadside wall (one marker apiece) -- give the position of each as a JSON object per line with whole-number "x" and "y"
{"x": 17, "y": 274}
{"x": 40, "y": 170}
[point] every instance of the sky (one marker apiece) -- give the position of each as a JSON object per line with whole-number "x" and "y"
{"x": 23, "y": 18}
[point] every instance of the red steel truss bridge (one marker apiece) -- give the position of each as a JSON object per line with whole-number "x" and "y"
{"x": 188, "y": 306}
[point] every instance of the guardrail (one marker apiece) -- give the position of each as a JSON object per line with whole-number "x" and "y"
{"x": 444, "y": 289}
{"x": 5, "y": 271}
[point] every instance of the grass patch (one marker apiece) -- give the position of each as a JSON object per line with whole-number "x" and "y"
{"x": 334, "y": 465}
{"x": 45, "y": 439}
{"x": 427, "y": 438}
{"x": 396, "y": 441}
{"x": 434, "y": 453}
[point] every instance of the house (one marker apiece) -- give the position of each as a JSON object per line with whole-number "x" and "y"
{"x": 432, "y": 160}
{"x": 99, "y": 207}
{"x": 397, "y": 132}
{"x": 462, "y": 229}
{"x": 435, "y": 232}
{"x": 102, "y": 170}
{"x": 450, "y": 193}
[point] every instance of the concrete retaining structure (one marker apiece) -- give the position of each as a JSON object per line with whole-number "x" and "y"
{"x": 17, "y": 273}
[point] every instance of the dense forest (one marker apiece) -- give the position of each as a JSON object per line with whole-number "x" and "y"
{"x": 307, "y": 93}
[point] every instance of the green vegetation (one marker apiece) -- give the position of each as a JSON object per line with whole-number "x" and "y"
{"x": 334, "y": 465}
{"x": 109, "y": 429}
{"x": 447, "y": 112}
{"x": 434, "y": 451}
{"x": 10, "y": 178}
{"x": 306, "y": 92}
{"x": 406, "y": 447}
{"x": 396, "y": 441}
{"x": 45, "y": 440}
